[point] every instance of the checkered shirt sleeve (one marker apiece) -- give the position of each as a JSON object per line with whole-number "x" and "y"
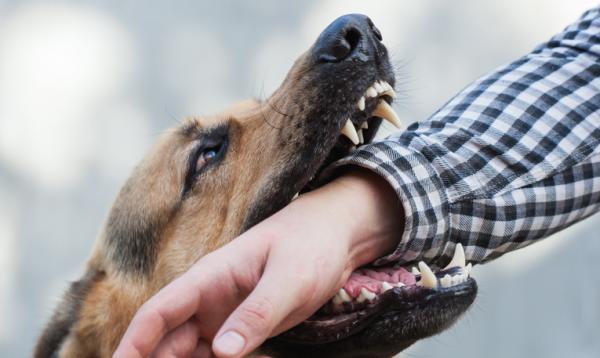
{"x": 510, "y": 160}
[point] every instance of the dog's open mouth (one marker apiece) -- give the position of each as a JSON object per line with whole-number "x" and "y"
{"x": 399, "y": 303}
{"x": 380, "y": 310}
{"x": 373, "y": 292}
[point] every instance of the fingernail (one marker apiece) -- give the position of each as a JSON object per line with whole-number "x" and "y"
{"x": 229, "y": 343}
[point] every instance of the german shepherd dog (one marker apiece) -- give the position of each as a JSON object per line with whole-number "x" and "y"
{"x": 212, "y": 178}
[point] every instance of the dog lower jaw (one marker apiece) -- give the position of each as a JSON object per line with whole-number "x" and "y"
{"x": 399, "y": 319}
{"x": 414, "y": 304}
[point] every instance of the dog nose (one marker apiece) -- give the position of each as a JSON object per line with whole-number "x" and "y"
{"x": 343, "y": 36}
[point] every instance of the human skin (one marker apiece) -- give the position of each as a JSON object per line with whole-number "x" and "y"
{"x": 271, "y": 277}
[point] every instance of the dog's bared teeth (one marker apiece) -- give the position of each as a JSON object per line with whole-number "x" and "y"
{"x": 468, "y": 269}
{"x": 371, "y": 92}
{"x": 361, "y": 103}
{"x": 385, "y": 286}
{"x": 385, "y": 111}
{"x": 446, "y": 281}
{"x": 428, "y": 279}
{"x": 295, "y": 196}
{"x": 364, "y": 125}
{"x": 388, "y": 90}
{"x": 361, "y": 139}
{"x": 415, "y": 271}
{"x": 378, "y": 87}
{"x": 458, "y": 260}
{"x": 365, "y": 295}
{"x": 458, "y": 279}
{"x": 350, "y": 132}
{"x": 341, "y": 297}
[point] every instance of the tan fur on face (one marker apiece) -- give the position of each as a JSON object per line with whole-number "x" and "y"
{"x": 155, "y": 232}
{"x": 188, "y": 229}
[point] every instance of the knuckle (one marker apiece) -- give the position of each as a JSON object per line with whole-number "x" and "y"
{"x": 257, "y": 315}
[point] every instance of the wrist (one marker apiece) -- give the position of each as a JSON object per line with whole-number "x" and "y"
{"x": 368, "y": 210}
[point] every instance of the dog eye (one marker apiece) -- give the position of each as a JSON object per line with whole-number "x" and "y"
{"x": 209, "y": 150}
{"x": 206, "y": 156}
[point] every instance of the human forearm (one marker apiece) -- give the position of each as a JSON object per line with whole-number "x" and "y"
{"x": 510, "y": 133}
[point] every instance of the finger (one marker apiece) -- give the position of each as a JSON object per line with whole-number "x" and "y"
{"x": 203, "y": 350}
{"x": 169, "y": 308}
{"x": 180, "y": 342}
{"x": 275, "y": 296}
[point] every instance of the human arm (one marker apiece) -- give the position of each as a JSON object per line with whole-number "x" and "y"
{"x": 510, "y": 160}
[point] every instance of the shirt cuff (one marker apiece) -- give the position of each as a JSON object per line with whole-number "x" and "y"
{"x": 420, "y": 190}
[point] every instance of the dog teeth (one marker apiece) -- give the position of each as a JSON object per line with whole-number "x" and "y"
{"x": 428, "y": 279}
{"x": 364, "y": 125}
{"x": 361, "y": 103}
{"x": 415, "y": 271}
{"x": 361, "y": 139}
{"x": 378, "y": 87}
{"x": 446, "y": 281}
{"x": 366, "y": 295}
{"x": 341, "y": 297}
{"x": 350, "y": 132}
{"x": 385, "y": 111}
{"x": 371, "y": 92}
{"x": 385, "y": 286}
{"x": 387, "y": 90}
{"x": 458, "y": 260}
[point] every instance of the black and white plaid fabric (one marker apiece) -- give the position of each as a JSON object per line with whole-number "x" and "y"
{"x": 510, "y": 160}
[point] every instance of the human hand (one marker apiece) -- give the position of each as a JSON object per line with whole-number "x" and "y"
{"x": 273, "y": 276}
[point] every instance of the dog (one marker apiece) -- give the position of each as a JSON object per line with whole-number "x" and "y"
{"x": 212, "y": 178}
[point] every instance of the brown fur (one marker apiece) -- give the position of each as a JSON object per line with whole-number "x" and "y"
{"x": 164, "y": 220}
{"x": 153, "y": 234}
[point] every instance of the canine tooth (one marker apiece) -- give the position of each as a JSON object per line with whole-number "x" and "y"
{"x": 364, "y": 125}
{"x": 378, "y": 87}
{"x": 446, "y": 281}
{"x": 390, "y": 93}
{"x": 458, "y": 260}
{"x": 386, "y": 286}
{"x": 350, "y": 132}
{"x": 361, "y": 139}
{"x": 386, "y": 112}
{"x": 366, "y": 295}
{"x": 468, "y": 269}
{"x": 428, "y": 279}
{"x": 400, "y": 284}
{"x": 371, "y": 92}
{"x": 361, "y": 103}
{"x": 415, "y": 271}
{"x": 343, "y": 295}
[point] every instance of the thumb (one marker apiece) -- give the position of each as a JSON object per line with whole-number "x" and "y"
{"x": 273, "y": 299}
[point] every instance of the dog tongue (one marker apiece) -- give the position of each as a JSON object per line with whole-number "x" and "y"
{"x": 372, "y": 279}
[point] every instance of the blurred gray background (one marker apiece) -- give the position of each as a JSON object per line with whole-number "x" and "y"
{"x": 87, "y": 86}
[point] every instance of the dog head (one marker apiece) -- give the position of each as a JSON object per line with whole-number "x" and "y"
{"x": 212, "y": 178}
